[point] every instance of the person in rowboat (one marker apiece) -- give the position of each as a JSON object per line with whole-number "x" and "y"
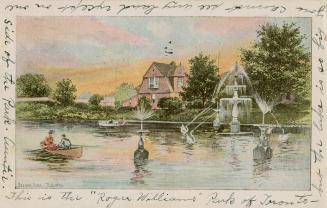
{"x": 48, "y": 141}
{"x": 121, "y": 121}
{"x": 65, "y": 143}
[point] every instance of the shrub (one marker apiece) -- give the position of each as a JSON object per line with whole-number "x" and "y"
{"x": 171, "y": 105}
{"x": 145, "y": 102}
{"x": 95, "y": 99}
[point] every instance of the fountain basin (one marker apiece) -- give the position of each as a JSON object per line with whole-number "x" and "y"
{"x": 235, "y": 127}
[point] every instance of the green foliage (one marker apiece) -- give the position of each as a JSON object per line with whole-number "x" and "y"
{"x": 286, "y": 114}
{"x": 32, "y": 85}
{"x": 95, "y": 99}
{"x": 124, "y": 92}
{"x": 65, "y": 92}
{"x": 171, "y": 105}
{"x": 202, "y": 80}
{"x": 145, "y": 102}
{"x": 278, "y": 64}
{"x": 81, "y": 105}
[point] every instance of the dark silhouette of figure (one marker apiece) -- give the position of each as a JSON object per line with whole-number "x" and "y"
{"x": 141, "y": 156}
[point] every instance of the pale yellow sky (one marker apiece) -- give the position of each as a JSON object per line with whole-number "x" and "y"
{"x": 99, "y": 53}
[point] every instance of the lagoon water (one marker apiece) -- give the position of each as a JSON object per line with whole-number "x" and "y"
{"x": 214, "y": 162}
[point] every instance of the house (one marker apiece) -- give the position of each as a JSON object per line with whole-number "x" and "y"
{"x": 108, "y": 101}
{"x": 162, "y": 80}
{"x": 131, "y": 102}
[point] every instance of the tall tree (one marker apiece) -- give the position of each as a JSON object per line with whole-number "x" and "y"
{"x": 278, "y": 64}
{"x": 124, "y": 92}
{"x": 65, "y": 92}
{"x": 202, "y": 80}
{"x": 32, "y": 85}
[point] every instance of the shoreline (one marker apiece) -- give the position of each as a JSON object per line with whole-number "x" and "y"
{"x": 95, "y": 121}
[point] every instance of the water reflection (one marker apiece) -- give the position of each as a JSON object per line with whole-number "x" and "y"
{"x": 54, "y": 162}
{"x": 141, "y": 157}
{"x": 112, "y": 159}
{"x": 234, "y": 161}
{"x": 261, "y": 167}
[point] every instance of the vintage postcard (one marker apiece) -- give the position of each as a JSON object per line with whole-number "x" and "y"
{"x": 163, "y": 103}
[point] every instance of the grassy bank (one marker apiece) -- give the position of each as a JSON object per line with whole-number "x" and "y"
{"x": 286, "y": 114}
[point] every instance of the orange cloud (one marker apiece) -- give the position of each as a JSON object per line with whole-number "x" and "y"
{"x": 34, "y": 30}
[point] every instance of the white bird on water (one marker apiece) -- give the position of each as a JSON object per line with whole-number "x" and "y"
{"x": 184, "y": 129}
{"x": 190, "y": 139}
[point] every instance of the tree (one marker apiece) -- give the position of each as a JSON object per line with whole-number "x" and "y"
{"x": 65, "y": 92}
{"x": 145, "y": 102}
{"x": 32, "y": 85}
{"x": 170, "y": 104}
{"x": 278, "y": 64}
{"x": 124, "y": 92}
{"x": 202, "y": 80}
{"x": 95, "y": 99}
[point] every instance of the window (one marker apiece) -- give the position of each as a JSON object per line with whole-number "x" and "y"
{"x": 153, "y": 82}
{"x": 180, "y": 82}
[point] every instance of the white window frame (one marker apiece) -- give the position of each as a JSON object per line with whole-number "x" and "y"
{"x": 153, "y": 82}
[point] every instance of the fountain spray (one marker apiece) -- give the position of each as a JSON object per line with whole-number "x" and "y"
{"x": 142, "y": 114}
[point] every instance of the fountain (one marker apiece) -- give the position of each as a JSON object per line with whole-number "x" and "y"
{"x": 232, "y": 108}
{"x": 227, "y": 108}
{"x": 141, "y": 155}
{"x": 235, "y": 124}
{"x": 263, "y": 150}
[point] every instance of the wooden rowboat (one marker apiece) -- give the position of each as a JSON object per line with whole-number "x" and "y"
{"x": 75, "y": 152}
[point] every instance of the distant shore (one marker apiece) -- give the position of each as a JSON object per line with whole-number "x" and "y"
{"x": 287, "y": 114}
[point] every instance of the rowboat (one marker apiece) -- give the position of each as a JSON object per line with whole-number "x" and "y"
{"x": 75, "y": 152}
{"x": 112, "y": 123}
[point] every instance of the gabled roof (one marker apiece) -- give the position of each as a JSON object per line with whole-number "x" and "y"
{"x": 177, "y": 71}
{"x": 164, "y": 68}
{"x": 168, "y": 70}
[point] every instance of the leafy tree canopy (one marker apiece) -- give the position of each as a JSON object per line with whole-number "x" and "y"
{"x": 95, "y": 99}
{"x": 202, "y": 80}
{"x": 65, "y": 92}
{"x": 124, "y": 92}
{"x": 278, "y": 64}
{"x": 32, "y": 85}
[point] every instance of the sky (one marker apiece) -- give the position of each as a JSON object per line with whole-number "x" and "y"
{"x": 100, "y": 53}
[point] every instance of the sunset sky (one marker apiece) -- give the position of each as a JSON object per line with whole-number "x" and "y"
{"x": 99, "y": 53}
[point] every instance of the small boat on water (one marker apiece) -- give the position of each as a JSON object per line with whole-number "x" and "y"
{"x": 75, "y": 152}
{"x": 112, "y": 123}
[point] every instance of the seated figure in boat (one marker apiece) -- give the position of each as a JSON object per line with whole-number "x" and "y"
{"x": 64, "y": 143}
{"x": 48, "y": 141}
